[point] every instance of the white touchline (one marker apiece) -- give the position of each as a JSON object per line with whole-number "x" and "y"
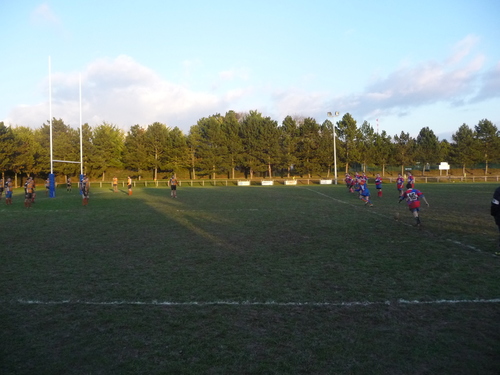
{"x": 356, "y": 206}
{"x": 257, "y": 303}
{"x": 403, "y": 223}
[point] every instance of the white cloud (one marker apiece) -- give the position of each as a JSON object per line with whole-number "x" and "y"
{"x": 43, "y": 16}
{"x": 456, "y": 81}
{"x": 462, "y": 49}
{"x": 453, "y": 81}
{"x": 232, "y": 74}
{"x": 490, "y": 87}
{"x": 123, "y": 92}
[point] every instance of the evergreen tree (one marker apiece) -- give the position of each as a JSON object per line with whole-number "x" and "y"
{"x": 193, "y": 142}
{"x": 404, "y": 150}
{"x": 135, "y": 156}
{"x": 211, "y": 145}
{"x": 325, "y": 149}
{"x": 232, "y": 129}
{"x": 489, "y": 141}
{"x": 269, "y": 134}
{"x": 178, "y": 155}
{"x": 7, "y": 144}
{"x": 383, "y": 150}
{"x": 464, "y": 148}
{"x": 88, "y": 148}
{"x": 366, "y": 144}
{"x": 260, "y": 137}
{"x": 156, "y": 140}
{"x": 65, "y": 146}
{"x": 349, "y": 135}
{"x": 427, "y": 148}
{"x": 25, "y": 149}
{"x": 289, "y": 139}
{"x": 108, "y": 145}
{"x": 309, "y": 142}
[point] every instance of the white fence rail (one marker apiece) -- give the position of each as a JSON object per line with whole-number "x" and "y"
{"x": 298, "y": 181}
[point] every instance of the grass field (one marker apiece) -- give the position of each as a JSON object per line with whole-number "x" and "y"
{"x": 250, "y": 280}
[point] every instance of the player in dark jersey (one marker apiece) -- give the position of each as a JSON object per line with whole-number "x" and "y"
{"x": 85, "y": 186}
{"x": 173, "y": 186}
{"x": 495, "y": 212}
{"x": 412, "y": 197}
{"x": 129, "y": 185}
{"x": 28, "y": 192}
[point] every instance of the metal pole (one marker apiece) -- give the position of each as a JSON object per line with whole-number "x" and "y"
{"x": 335, "y": 152}
{"x": 81, "y": 135}
{"x": 50, "y": 120}
{"x": 333, "y": 115}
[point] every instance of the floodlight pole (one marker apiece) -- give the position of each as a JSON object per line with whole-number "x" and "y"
{"x": 81, "y": 135}
{"x": 330, "y": 114}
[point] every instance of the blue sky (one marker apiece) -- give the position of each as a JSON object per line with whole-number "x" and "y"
{"x": 399, "y": 65}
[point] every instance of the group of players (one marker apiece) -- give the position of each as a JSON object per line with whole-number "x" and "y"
{"x": 84, "y": 187}
{"x": 359, "y": 183}
{"x": 29, "y": 191}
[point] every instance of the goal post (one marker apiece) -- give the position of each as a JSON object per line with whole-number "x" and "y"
{"x": 52, "y": 178}
{"x": 52, "y": 185}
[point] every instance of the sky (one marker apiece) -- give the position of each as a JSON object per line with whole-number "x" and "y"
{"x": 401, "y": 66}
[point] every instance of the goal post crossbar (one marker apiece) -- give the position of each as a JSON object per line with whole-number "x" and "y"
{"x": 67, "y": 161}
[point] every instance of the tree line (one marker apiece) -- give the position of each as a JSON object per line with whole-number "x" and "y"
{"x": 237, "y": 143}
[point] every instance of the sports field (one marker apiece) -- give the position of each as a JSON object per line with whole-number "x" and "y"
{"x": 250, "y": 280}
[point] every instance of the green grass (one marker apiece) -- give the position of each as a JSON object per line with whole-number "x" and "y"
{"x": 280, "y": 279}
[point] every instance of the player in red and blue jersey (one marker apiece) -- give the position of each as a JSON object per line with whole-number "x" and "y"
{"x": 364, "y": 192}
{"x": 400, "y": 181}
{"x": 378, "y": 184}
{"x": 348, "y": 181}
{"x": 412, "y": 197}
{"x": 411, "y": 180}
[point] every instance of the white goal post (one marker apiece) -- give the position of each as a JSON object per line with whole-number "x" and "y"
{"x": 52, "y": 179}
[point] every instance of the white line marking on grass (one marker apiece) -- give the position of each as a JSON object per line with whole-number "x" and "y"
{"x": 224, "y": 210}
{"x": 403, "y": 223}
{"x": 256, "y": 303}
{"x": 465, "y": 245}
{"x": 371, "y": 211}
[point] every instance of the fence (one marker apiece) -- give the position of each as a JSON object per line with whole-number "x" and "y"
{"x": 297, "y": 181}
